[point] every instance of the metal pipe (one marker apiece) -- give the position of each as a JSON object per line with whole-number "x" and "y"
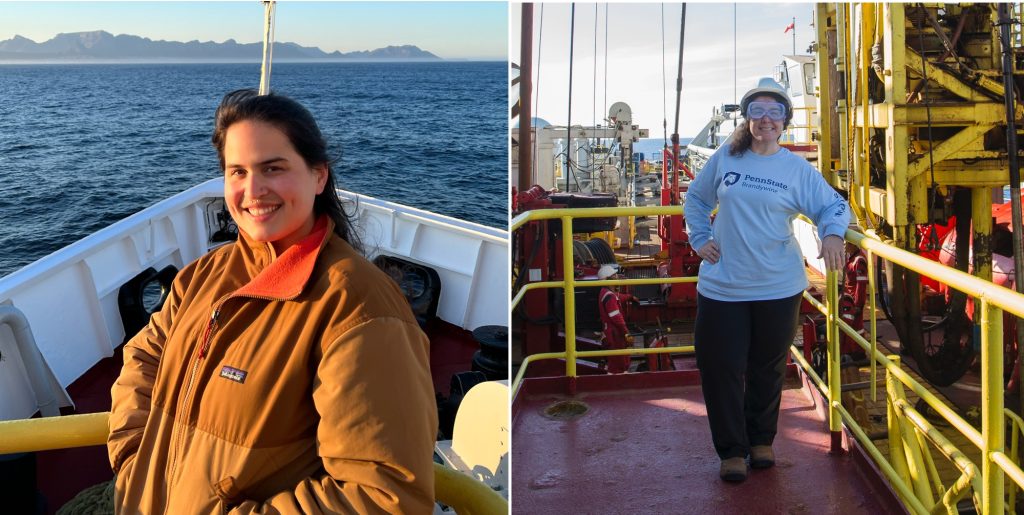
{"x": 465, "y": 494}
{"x": 916, "y": 465}
{"x": 1011, "y": 153}
{"x": 981, "y": 244}
{"x": 526, "y": 99}
{"x": 32, "y": 359}
{"x": 44, "y": 434}
{"x": 453, "y": 488}
{"x": 874, "y": 324}
{"x": 517, "y": 383}
{"x": 268, "y": 46}
{"x": 682, "y": 349}
{"x": 533, "y": 286}
{"x": 1011, "y": 468}
{"x": 902, "y": 490}
{"x": 834, "y": 384}
{"x": 1006, "y": 299}
{"x": 677, "y": 166}
{"x": 892, "y": 367}
{"x": 568, "y": 122}
{"x": 867, "y": 20}
{"x": 594, "y": 284}
{"x": 991, "y": 405}
{"x": 969, "y": 472}
{"x": 570, "y": 300}
{"x": 896, "y": 451}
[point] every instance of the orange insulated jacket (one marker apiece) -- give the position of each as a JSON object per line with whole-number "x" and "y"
{"x": 297, "y": 383}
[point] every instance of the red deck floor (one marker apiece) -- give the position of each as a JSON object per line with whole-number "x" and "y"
{"x": 648, "y": 450}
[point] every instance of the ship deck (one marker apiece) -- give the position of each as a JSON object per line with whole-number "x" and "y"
{"x": 644, "y": 446}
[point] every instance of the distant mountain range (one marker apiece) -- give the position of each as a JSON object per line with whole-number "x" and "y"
{"x": 101, "y": 44}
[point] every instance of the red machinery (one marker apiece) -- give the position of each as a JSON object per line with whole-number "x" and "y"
{"x": 683, "y": 260}
{"x": 537, "y": 257}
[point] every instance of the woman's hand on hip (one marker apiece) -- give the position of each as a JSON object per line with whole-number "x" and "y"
{"x": 710, "y": 252}
{"x": 833, "y": 251}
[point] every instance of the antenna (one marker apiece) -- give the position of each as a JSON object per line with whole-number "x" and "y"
{"x": 268, "y": 45}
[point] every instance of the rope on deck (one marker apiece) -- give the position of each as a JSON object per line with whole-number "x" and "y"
{"x": 95, "y": 500}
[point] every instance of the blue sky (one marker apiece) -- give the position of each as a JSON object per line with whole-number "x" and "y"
{"x": 453, "y": 30}
{"x": 635, "y": 62}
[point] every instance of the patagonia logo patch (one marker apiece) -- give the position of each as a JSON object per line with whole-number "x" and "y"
{"x": 233, "y": 374}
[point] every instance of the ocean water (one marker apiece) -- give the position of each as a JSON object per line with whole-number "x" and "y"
{"x": 83, "y": 146}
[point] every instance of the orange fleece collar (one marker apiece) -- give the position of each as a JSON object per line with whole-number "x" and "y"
{"x": 285, "y": 277}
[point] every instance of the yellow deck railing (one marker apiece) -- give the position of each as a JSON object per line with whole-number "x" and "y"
{"x": 451, "y": 487}
{"x": 910, "y": 468}
{"x": 802, "y": 124}
{"x": 569, "y": 284}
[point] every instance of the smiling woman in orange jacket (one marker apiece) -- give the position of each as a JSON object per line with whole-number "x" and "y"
{"x": 285, "y": 373}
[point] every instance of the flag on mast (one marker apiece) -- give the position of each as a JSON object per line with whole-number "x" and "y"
{"x": 791, "y": 26}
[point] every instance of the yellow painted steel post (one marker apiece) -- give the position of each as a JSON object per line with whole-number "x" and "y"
{"x": 896, "y": 454}
{"x": 1014, "y": 454}
{"x": 835, "y": 425}
{"x": 916, "y": 464}
{"x": 992, "y": 430}
{"x": 824, "y": 94}
{"x": 632, "y": 232}
{"x": 570, "y": 302}
{"x": 841, "y": 65}
{"x": 874, "y": 325}
{"x": 896, "y": 136}
{"x": 867, "y": 41}
{"x": 981, "y": 222}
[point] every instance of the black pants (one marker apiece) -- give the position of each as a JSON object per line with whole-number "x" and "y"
{"x": 741, "y": 353}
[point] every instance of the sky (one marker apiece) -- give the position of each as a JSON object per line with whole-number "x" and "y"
{"x": 635, "y": 70}
{"x": 452, "y": 30}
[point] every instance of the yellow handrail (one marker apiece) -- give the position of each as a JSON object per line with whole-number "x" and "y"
{"x": 451, "y": 487}
{"x": 915, "y": 431}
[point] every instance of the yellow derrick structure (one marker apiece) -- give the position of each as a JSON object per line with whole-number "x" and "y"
{"x": 912, "y": 104}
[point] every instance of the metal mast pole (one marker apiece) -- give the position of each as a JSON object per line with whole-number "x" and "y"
{"x": 568, "y": 122}
{"x": 1009, "y": 98}
{"x": 676, "y": 165}
{"x": 526, "y": 99}
{"x": 794, "y": 35}
{"x": 268, "y": 46}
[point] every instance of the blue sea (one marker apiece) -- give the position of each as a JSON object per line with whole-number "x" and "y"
{"x": 85, "y": 145}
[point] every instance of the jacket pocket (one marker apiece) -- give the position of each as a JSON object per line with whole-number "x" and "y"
{"x": 122, "y": 483}
{"x": 228, "y": 492}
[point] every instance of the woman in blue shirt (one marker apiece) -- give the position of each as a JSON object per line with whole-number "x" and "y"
{"x": 752, "y": 276}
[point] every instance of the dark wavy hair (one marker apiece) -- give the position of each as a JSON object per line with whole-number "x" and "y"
{"x": 298, "y": 124}
{"x": 742, "y": 138}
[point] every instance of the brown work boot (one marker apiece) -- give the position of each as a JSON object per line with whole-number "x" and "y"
{"x": 733, "y": 469}
{"x": 762, "y": 456}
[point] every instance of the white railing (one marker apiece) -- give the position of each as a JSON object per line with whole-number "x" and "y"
{"x": 70, "y": 296}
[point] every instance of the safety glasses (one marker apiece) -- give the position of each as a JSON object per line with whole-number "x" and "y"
{"x": 773, "y": 110}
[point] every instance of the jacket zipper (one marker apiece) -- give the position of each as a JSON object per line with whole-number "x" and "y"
{"x": 185, "y": 401}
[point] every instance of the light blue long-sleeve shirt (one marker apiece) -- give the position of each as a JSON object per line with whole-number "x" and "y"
{"x": 758, "y": 197}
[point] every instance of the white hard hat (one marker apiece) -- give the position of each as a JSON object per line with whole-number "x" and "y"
{"x": 767, "y": 86}
{"x": 607, "y": 271}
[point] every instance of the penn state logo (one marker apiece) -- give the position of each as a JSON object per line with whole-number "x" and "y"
{"x": 731, "y": 178}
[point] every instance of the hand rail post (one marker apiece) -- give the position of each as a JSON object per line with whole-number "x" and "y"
{"x": 570, "y": 302}
{"x": 992, "y": 430}
{"x": 835, "y": 421}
